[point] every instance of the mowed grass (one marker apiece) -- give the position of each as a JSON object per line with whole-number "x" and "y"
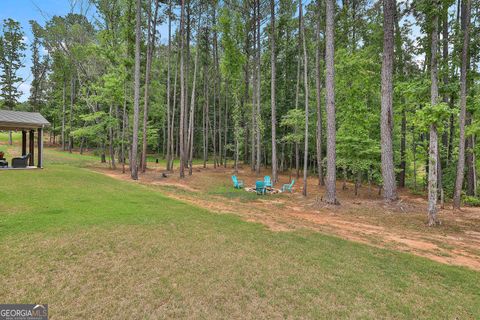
{"x": 97, "y": 248}
{"x": 16, "y": 139}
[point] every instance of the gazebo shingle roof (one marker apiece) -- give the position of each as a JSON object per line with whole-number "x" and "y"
{"x": 21, "y": 120}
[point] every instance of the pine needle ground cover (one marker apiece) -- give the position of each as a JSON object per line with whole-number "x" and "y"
{"x": 92, "y": 246}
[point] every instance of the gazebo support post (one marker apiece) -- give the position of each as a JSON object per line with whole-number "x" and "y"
{"x": 40, "y": 148}
{"x": 24, "y": 142}
{"x": 32, "y": 147}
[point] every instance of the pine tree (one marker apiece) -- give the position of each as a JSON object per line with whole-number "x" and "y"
{"x": 318, "y": 87}
{"x": 182, "y": 92}
{"x": 151, "y": 35}
{"x": 389, "y": 184}
{"x": 272, "y": 92}
{"x": 305, "y": 76}
{"x": 12, "y": 48}
{"x": 433, "y": 146}
{"x": 39, "y": 69}
{"x": 169, "y": 121}
{"x": 330, "y": 196}
{"x": 466, "y": 8}
{"x": 136, "y": 101}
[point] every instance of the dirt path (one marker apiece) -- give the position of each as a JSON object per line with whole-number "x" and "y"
{"x": 364, "y": 219}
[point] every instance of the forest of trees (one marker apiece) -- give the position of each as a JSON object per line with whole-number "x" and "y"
{"x": 383, "y": 93}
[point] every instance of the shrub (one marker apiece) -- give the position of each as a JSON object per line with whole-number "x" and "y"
{"x": 471, "y": 201}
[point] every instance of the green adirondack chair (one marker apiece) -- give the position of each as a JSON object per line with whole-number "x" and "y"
{"x": 267, "y": 181}
{"x": 260, "y": 187}
{"x": 237, "y": 184}
{"x": 288, "y": 186}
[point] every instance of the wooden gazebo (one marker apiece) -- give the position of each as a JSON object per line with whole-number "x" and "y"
{"x": 26, "y": 122}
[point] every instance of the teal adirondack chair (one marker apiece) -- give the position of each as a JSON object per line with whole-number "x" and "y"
{"x": 288, "y": 186}
{"x": 260, "y": 187}
{"x": 237, "y": 184}
{"x": 267, "y": 181}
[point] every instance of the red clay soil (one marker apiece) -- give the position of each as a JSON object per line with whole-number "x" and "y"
{"x": 364, "y": 218}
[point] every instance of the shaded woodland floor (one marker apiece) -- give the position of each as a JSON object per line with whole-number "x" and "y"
{"x": 364, "y": 218}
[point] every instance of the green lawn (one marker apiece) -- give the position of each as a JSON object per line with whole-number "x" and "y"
{"x": 16, "y": 138}
{"x": 97, "y": 248}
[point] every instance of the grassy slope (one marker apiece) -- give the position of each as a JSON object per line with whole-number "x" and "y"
{"x": 82, "y": 241}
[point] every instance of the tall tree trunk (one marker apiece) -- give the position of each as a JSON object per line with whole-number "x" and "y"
{"x": 192, "y": 110}
{"x": 163, "y": 140}
{"x": 471, "y": 178}
{"x": 389, "y": 184}
{"x": 64, "y": 105}
{"x": 225, "y": 127}
{"x": 272, "y": 93}
{"x": 471, "y": 182}
{"x": 182, "y": 93}
{"x": 136, "y": 99}
{"x": 111, "y": 143}
{"x": 254, "y": 93}
{"x": 215, "y": 111}
{"x": 400, "y": 70}
{"x": 151, "y": 34}
{"x": 433, "y": 147}
{"x": 414, "y": 152}
{"x": 442, "y": 161}
{"x": 118, "y": 133}
{"x": 172, "y": 133}
{"x": 403, "y": 150}
{"x": 169, "y": 123}
{"x": 318, "y": 86}
{"x": 305, "y": 78}
{"x": 70, "y": 121}
{"x": 259, "y": 95}
{"x": 330, "y": 196}
{"x": 246, "y": 95}
{"x": 217, "y": 95}
{"x": 220, "y": 128}
{"x": 235, "y": 165}
{"x": 186, "y": 47}
{"x": 124, "y": 120}
{"x": 297, "y": 97}
{"x": 205, "y": 116}
{"x": 466, "y": 6}
{"x": 445, "y": 138}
